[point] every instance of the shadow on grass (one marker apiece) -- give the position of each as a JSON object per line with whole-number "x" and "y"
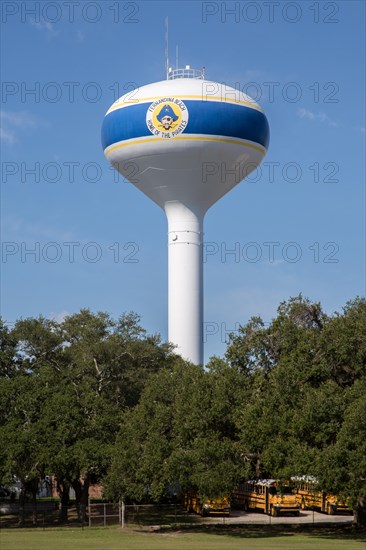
{"x": 159, "y": 516}
{"x": 330, "y": 531}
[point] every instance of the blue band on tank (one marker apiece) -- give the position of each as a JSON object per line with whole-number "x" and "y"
{"x": 205, "y": 117}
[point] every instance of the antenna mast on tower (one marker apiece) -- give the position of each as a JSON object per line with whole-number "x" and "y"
{"x": 166, "y": 48}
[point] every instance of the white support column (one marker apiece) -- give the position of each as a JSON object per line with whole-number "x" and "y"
{"x": 185, "y": 280}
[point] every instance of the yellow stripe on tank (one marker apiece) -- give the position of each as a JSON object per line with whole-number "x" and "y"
{"x": 213, "y": 98}
{"x": 151, "y": 139}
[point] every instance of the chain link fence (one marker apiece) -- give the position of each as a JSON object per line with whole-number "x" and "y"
{"x": 40, "y": 513}
{"x": 107, "y": 513}
{"x": 104, "y": 514}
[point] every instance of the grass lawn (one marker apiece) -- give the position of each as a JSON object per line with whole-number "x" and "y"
{"x": 225, "y": 539}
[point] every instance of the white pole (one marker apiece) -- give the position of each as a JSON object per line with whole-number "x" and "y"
{"x": 185, "y": 281}
{"x": 166, "y": 47}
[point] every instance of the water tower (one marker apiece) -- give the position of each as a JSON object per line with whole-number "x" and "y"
{"x": 185, "y": 142}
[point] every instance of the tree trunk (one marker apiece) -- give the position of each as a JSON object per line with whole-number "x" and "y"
{"x": 81, "y": 488}
{"x": 76, "y": 484}
{"x": 360, "y": 513}
{"x": 255, "y": 460}
{"x": 84, "y": 498}
{"x": 22, "y": 504}
{"x": 258, "y": 467}
{"x": 34, "y": 506}
{"x": 63, "y": 489}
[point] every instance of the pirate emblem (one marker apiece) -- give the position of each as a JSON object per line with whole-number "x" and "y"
{"x": 167, "y": 117}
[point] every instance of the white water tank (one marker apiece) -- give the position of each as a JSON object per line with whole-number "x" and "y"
{"x": 185, "y": 142}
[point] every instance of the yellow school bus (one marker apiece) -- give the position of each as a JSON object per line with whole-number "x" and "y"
{"x": 266, "y": 495}
{"x": 193, "y": 503}
{"x": 310, "y": 497}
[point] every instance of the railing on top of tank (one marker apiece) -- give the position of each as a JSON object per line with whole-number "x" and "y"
{"x": 187, "y": 72}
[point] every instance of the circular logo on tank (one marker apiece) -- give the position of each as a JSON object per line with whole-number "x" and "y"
{"x": 167, "y": 117}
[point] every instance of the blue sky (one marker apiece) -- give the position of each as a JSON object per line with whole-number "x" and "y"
{"x": 100, "y": 243}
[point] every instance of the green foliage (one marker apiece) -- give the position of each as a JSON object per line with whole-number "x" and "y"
{"x": 342, "y": 465}
{"x": 64, "y": 388}
{"x": 306, "y": 414}
{"x": 343, "y": 344}
{"x": 8, "y": 359}
{"x": 180, "y": 434}
{"x": 97, "y": 398}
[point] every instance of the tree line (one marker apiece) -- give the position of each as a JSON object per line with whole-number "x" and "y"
{"x": 96, "y": 399}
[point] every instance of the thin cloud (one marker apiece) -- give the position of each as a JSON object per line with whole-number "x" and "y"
{"x": 274, "y": 263}
{"x": 321, "y": 117}
{"x": 44, "y": 26}
{"x": 17, "y": 229}
{"x": 12, "y": 121}
{"x": 7, "y": 136}
{"x": 19, "y": 119}
{"x": 80, "y": 36}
